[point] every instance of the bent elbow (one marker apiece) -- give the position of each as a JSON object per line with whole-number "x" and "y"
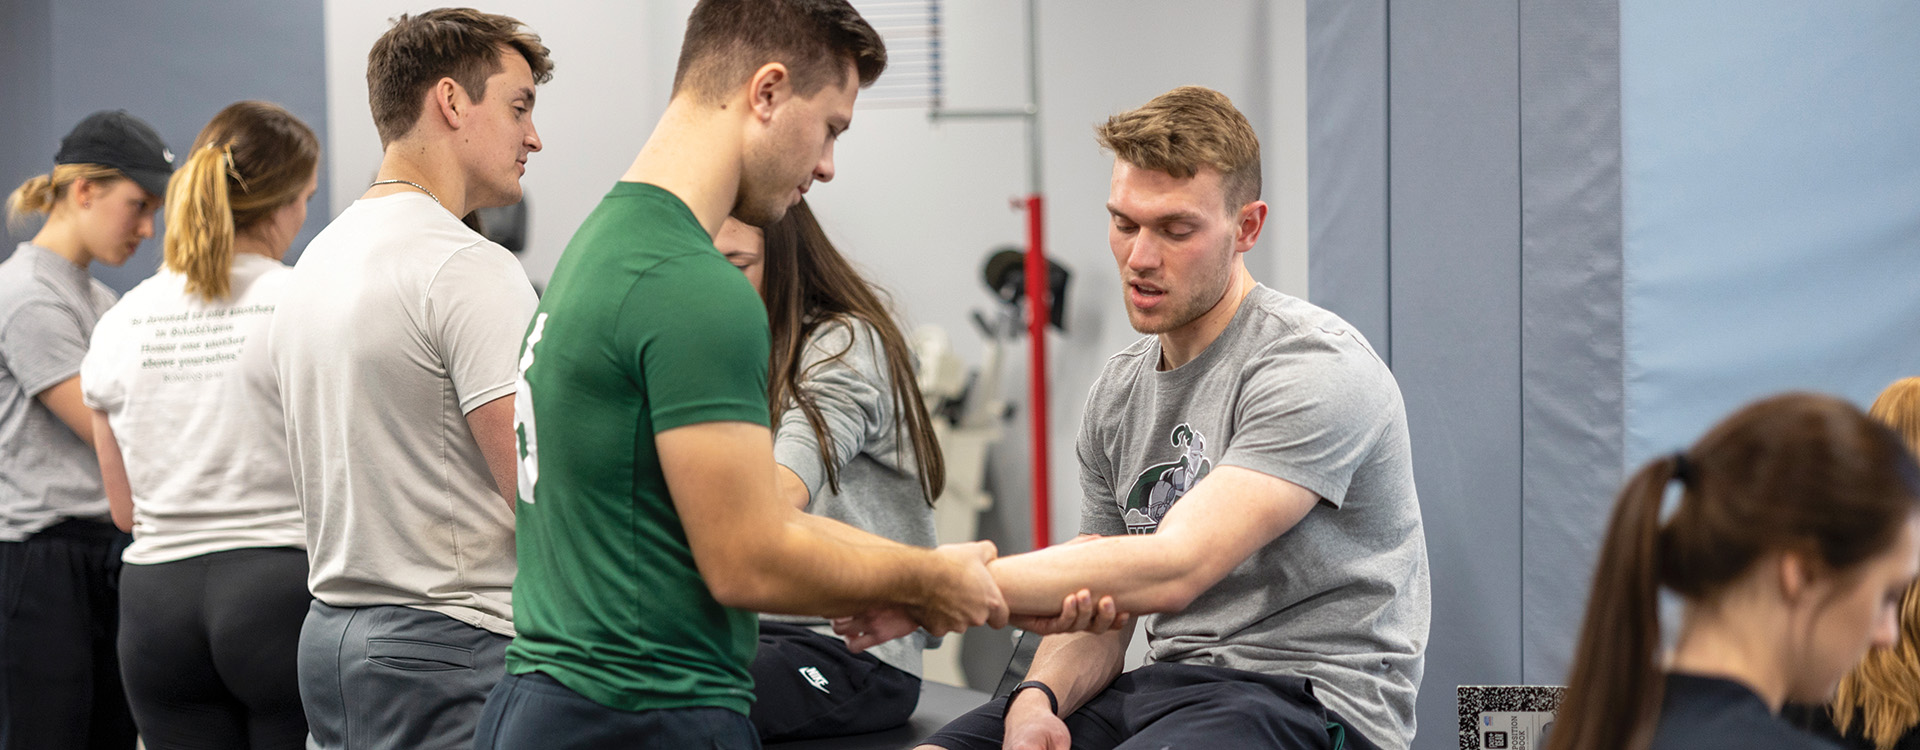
{"x": 739, "y": 589}
{"x": 1181, "y": 576}
{"x": 741, "y": 580}
{"x": 1172, "y": 598}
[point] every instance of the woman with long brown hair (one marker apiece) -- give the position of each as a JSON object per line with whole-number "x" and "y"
{"x": 1878, "y": 704}
{"x": 193, "y": 447}
{"x": 1796, "y": 534}
{"x": 853, "y": 442}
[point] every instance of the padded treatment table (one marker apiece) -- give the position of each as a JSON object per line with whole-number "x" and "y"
{"x": 939, "y": 704}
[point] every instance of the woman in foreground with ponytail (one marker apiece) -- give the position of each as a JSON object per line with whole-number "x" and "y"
{"x": 193, "y": 451}
{"x": 1796, "y": 533}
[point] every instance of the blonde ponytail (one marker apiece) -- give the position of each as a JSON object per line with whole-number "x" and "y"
{"x": 39, "y": 194}
{"x": 250, "y": 161}
{"x": 199, "y": 243}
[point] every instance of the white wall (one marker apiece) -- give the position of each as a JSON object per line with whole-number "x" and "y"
{"x": 918, "y": 204}
{"x": 608, "y": 88}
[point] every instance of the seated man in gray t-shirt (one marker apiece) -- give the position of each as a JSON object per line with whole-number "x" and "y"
{"x": 1247, "y": 471}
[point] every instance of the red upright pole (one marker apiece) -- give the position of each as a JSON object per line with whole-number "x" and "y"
{"x": 1037, "y": 317}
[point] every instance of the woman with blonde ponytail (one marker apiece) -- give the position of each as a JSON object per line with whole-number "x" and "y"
{"x": 1795, "y": 536}
{"x": 59, "y": 554}
{"x": 193, "y": 448}
{"x": 1878, "y": 704}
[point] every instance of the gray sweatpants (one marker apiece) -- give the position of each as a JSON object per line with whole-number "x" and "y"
{"x": 373, "y": 678}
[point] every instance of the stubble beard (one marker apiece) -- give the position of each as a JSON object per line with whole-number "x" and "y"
{"x": 1183, "y": 310}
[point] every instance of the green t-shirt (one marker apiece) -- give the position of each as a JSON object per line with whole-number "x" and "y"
{"x": 644, "y": 328}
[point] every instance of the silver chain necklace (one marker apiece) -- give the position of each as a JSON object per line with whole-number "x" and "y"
{"x": 416, "y": 185}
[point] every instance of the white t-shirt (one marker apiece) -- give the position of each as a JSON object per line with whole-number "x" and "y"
{"x": 397, "y": 322}
{"x": 188, "y": 390}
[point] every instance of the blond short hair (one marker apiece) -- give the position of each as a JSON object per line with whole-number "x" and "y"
{"x": 1878, "y": 695}
{"x": 1185, "y": 129}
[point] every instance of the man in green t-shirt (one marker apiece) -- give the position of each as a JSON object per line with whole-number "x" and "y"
{"x": 648, "y": 526}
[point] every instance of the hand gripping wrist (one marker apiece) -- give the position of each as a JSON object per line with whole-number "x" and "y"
{"x": 1053, "y": 702}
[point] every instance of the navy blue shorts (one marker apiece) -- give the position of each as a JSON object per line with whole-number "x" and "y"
{"x": 535, "y": 711}
{"x": 1182, "y": 706}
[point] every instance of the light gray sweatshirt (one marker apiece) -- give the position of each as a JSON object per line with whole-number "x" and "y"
{"x": 879, "y": 480}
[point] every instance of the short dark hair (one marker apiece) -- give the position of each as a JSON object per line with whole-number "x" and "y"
{"x": 727, "y": 40}
{"x": 459, "y": 43}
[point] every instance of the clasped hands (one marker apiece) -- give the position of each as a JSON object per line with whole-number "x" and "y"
{"x": 972, "y": 597}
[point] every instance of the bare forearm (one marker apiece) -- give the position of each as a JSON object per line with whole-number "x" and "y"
{"x": 1077, "y": 666}
{"x": 758, "y": 553}
{"x": 113, "y": 472}
{"x": 1218, "y": 524}
{"x": 65, "y": 401}
{"x": 841, "y": 533}
{"x": 492, "y": 427}
{"x": 1143, "y": 574}
{"x": 822, "y": 567}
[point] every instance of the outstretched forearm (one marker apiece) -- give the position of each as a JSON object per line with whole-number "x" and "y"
{"x": 1225, "y": 519}
{"x": 1143, "y": 574}
{"x": 756, "y": 552}
{"x": 818, "y": 566}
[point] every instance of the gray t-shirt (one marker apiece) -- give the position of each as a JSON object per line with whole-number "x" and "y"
{"x": 1291, "y": 391}
{"x": 48, "y": 307}
{"x": 396, "y": 323}
{"x": 844, "y": 368}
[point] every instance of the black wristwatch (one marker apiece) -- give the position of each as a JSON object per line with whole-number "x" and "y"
{"x": 1052, "y": 700}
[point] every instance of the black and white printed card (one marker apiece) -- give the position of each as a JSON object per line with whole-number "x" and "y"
{"x": 1507, "y": 717}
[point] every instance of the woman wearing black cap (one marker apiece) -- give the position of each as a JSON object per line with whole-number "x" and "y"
{"x": 59, "y": 552}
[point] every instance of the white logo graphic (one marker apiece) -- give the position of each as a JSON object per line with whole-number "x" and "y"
{"x": 814, "y": 678}
{"x": 168, "y": 155}
{"x": 523, "y": 426}
{"x": 1160, "y": 485}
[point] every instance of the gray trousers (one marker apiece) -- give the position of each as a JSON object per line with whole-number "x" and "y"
{"x": 373, "y": 678}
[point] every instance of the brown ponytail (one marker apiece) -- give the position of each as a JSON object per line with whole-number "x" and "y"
{"x": 1614, "y": 690}
{"x": 39, "y": 194}
{"x": 252, "y": 159}
{"x": 1798, "y": 472}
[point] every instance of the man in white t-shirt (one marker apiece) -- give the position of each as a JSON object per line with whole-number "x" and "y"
{"x": 395, "y": 347}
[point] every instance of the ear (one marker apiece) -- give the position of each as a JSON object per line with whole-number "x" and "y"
{"x": 1795, "y": 576}
{"x": 84, "y": 192}
{"x": 1252, "y": 219}
{"x": 448, "y": 101}
{"x": 769, "y": 87}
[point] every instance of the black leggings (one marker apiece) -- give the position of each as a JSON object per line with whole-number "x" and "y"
{"x": 208, "y": 646}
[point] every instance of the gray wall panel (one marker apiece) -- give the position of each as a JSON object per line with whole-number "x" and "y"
{"x": 174, "y": 65}
{"x": 1347, "y": 163}
{"x": 1455, "y": 286}
{"x": 26, "y": 89}
{"x": 1571, "y": 307}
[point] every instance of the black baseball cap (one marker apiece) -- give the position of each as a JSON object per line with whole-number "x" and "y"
{"x": 113, "y": 138}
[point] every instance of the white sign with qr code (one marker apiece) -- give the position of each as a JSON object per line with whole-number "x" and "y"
{"x": 1514, "y": 730}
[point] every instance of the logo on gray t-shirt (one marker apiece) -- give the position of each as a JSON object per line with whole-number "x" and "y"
{"x": 1160, "y": 485}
